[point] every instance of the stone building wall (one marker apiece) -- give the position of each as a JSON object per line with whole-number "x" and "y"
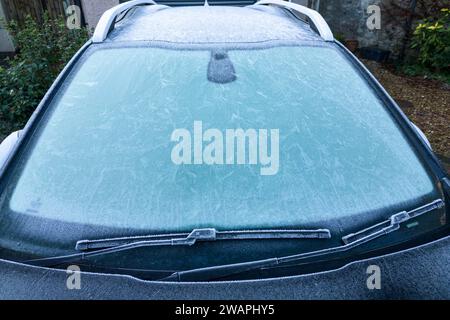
{"x": 348, "y": 19}
{"x": 93, "y": 10}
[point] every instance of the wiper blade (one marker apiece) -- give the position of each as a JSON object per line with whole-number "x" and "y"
{"x": 108, "y": 246}
{"x": 198, "y": 235}
{"x": 390, "y": 225}
{"x": 350, "y": 241}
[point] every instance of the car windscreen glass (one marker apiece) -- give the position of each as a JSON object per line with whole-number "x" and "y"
{"x": 140, "y": 138}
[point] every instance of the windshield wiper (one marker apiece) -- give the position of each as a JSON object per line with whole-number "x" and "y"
{"x": 212, "y": 273}
{"x": 350, "y": 241}
{"x": 108, "y": 246}
{"x": 209, "y": 234}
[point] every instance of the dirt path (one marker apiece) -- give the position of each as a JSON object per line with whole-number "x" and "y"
{"x": 426, "y": 102}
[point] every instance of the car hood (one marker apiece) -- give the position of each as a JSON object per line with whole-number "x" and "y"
{"x": 419, "y": 273}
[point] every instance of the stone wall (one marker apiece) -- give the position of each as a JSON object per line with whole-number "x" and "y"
{"x": 93, "y": 10}
{"x": 348, "y": 18}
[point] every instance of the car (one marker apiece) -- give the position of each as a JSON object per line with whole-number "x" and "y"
{"x": 221, "y": 152}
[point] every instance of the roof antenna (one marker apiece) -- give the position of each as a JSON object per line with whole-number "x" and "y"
{"x": 206, "y": 3}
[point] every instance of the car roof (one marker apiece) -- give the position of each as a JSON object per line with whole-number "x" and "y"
{"x": 211, "y": 24}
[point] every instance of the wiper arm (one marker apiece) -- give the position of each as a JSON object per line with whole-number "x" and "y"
{"x": 350, "y": 241}
{"x": 391, "y": 225}
{"x": 199, "y": 235}
{"x": 108, "y": 246}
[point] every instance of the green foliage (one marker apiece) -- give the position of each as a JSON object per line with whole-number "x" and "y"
{"x": 416, "y": 70}
{"x": 432, "y": 39}
{"x": 43, "y": 50}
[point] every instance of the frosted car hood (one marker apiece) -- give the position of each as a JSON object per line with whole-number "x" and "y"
{"x": 418, "y": 273}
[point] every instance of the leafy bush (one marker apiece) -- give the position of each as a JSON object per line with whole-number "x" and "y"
{"x": 432, "y": 39}
{"x": 416, "y": 70}
{"x": 43, "y": 50}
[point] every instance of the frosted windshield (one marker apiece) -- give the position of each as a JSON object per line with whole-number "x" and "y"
{"x": 104, "y": 156}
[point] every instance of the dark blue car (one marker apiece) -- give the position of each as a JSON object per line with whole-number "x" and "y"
{"x": 220, "y": 152}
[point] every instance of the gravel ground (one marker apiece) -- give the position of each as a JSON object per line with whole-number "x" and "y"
{"x": 426, "y": 102}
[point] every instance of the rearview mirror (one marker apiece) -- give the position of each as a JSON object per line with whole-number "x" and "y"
{"x": 422, "y": 135}
{"x": 7, "y": 146}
